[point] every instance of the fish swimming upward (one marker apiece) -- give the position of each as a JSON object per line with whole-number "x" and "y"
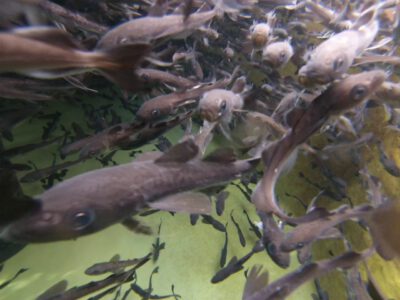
{"x": 45, "y": 52}
{"x": 95, "y": 200}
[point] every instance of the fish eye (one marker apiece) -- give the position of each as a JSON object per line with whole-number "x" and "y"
{"x": 271, "y": 248}
{"x": 222, "y": 106}
{"x": 358, "y": 92}
{"x": 155, "y": 113}
{"x": 83, "y": 219}
{"x": 338, "y": 63}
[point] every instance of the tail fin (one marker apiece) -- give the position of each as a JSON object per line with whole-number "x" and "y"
{"x": 118, "y": 64}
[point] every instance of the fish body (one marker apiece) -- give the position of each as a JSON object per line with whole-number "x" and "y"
{"x": 339, "y": 97}
{"x": 97, "y": 199}
{"x": 51, "y": 53}
{"x": 333, "y": 57}
{"x": 148, "y": 29}
{"x": 259, "y": 35}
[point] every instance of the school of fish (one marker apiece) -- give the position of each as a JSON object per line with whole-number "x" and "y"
{"x": 264, "y": 81}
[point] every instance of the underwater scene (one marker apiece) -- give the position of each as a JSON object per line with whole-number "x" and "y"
{"x": 186, "y": 149}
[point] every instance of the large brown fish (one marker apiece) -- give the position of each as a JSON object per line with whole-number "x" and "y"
{"x": 51, "y": 53}
{"x": 339, "y": 97}
{"x": 95, "y": 200}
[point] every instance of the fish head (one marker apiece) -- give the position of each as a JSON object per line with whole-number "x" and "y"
{"x": 277, "y": 54}
{"x": 216, "y": 104}
{"x": 61, "y": 220}
{"x": 152, "y": 112}
{"x": 324, "y": 67}
{"x": 259, "y": 35}
{"x": 354, "y": 89}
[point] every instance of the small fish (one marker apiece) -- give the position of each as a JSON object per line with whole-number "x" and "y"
{"x": 46, "y": 172}
{"x": 242, "y": 240}
{"x": 11, "y": 118}
{"x": 25, "y": 49}
{"x": 235, "y": 265}
{"x": 256, "y": 287}
{"x": 18, "y": 150}
{"x": 224, "y": 250}
{"x": 333, "y": 57}
{"x": 278, "y": 54}
{"x": 260, "y": 34}
{"x": 253, "y": 227}
{"x": 220, "y": 202}
{"x": 166, "y": 105}
{"x": 389, "y": 165}
{"x": 151, "y": 75}
{"x": 78, "y": 212}
{"x": 93, "y": 286}
{"x": 157, "y": 246}
{"x": 7, "y": 282}
{"x": 214, "y": 223}
{"x": 51, "y": 126}
{"x": 116, "y": 265}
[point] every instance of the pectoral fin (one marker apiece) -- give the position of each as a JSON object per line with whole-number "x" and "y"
{"x": 190, "y": 202}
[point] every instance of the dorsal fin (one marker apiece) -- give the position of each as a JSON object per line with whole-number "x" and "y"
{"x": 226, "y": 155}
{"x": 50, "y": 35}
{"x": 181, "y": 152}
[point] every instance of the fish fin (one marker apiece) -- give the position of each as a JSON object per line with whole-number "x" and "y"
{"x": 255, "y": 281}
{"x": 118, "y": 64}
{"x": 49, "y": 35}
{"x": 136, "y": 226}
{"x": 55, "y": 289}
{"x": 115, "y": 258}
{"x": 365, "y": 18}
{"x": 181, "y": 152}
{"x": 226, "y": 155}
{"x": 190, "y": 202}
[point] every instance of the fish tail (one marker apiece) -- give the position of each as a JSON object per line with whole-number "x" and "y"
{"x": 118, "y": 63}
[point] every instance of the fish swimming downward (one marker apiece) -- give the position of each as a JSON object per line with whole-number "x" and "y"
{"x": 95, "y": 200}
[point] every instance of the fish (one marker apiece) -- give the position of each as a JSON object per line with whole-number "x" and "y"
{"x": 18, "y": 150}
{"x": 235, "y": 265}
{"x": 224, "y": 250}
{"x": 307, "y": 232}
{"x": 10, "y": 118}
{"x": 242, "y": 240}
{"x": 8, "y": 250}
{"x": 122, "y": 136}
{"x": 116, "y": 265}
{"x": 260, "y": 33}
{"x": 218, "y": 104}
{"x": 149, "y": 29}
{"x": 40, "y": 174}
{"x": 272, "y": 238}
{"x": 24, "y": 52}
{"x": 214, "y": 223}
{"x": 220, "y": 202}
{"x": 93, "y": 286}
{"x": 165, "y": 105}
{"x": 253, "y": 227}
{"x": 157, "y": 246}
{"x": 389, "y": 165}
{"x": 148, "y": 75}
{"x": 333, "y": 57}
{"x": 94, "y": 200}
{"x": 338, "y": 98}
{"x": 277, "y": 54}
{"x": 9, "y": 281}
{"x": 257, "y": 289}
